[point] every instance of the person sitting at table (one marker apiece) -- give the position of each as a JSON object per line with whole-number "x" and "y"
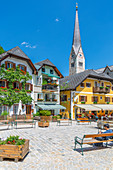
{"x": 106, "y": 126}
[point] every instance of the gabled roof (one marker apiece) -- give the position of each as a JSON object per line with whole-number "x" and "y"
{"x": 102, "y": 70}
{"x": 15, "y": 51}
{"x": 45, "y": 62}
{"x": 48, "y": 63}
{"x": 71, "y": 82}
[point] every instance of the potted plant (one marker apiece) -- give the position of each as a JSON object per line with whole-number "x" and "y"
{"x": 54, "y": 118}
{"x": 14, "y": 147}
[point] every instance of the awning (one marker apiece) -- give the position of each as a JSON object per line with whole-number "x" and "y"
{"x": 57, "y": 106}
{"x": 88, "y": 107}
{"x": 51, "y": 107}
{"x": 104, "y": 106}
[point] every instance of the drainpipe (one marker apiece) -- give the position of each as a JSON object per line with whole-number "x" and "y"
{"x": 72, "y": 95}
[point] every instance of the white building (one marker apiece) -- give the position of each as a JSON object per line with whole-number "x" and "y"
{"x": 48, "y": 79}
{"x": 11, "y": 59}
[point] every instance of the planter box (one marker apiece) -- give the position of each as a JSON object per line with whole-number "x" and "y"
{"x": 54, "y": 119}
{"x": 13, "y": 151}
{"x": 43, "y": 124}
{"x": 46, "y": 118}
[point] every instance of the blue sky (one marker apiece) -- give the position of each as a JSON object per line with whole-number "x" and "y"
{"x": 47, "y": 28}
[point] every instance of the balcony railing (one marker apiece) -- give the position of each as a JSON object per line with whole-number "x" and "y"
{"x": 47, "y": 100}
{"x": 49, "y": 87}
{"x": 101, "y": 90}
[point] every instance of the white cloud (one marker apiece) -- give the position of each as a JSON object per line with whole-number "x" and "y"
{"x": 23, "y": 43}
{"x": 57, "y": 20}
{"x": 27, "y": 45}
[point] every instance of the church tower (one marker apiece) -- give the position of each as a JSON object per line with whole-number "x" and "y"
{"x": 76, "y": 59}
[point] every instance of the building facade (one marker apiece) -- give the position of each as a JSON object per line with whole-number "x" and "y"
{"x": 11, "y": 59}
{"x": 48, "y": 98}
{"x": 89, "y": 92}
{"x": 77, "y": 58}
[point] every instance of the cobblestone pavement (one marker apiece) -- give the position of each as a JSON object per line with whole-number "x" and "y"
{"x": 53, "y": 148}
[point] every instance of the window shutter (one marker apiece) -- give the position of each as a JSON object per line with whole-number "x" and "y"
{"x": 92, "y": 98}
{"x": 14, "y": 66}
{"x": 5, "y": 64}
{"x": 108, "y": 99}
{"x": 105, "y": 99}
{"x": 112, "y": 99}
{"x": 85, "y": 98}
{"x": 19, "y": 85}
{"x": 7, "y": 82}
{"x": 31, "y": 87}
{"x": 79, "y": 98}
{"x": 19, "y": 65}
{"x": 25, "y": 68}
{"x": 97, "y": 99}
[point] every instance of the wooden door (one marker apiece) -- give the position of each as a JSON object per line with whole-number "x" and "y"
{"x": 28, "y": 109}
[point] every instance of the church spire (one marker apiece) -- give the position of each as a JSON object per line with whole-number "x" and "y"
{"x": 76, "y": 59}
{"x": 76, "y": 37}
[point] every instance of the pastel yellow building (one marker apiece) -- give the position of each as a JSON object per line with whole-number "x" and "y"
{"x": 87, "y": 92}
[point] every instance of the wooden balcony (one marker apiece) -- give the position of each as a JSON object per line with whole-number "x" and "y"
{"x": 101, "y": 90}
{"x": 50, "y": 88}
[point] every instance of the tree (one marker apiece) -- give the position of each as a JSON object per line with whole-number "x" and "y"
{"x": 9, "y": 95}
{"x": 2, "y": 50}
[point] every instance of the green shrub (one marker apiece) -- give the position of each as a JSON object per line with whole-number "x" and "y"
{"x": 58, "y": 117}
{"x": 45, "y": 113}
{"x": 5, "y": 113}
{"x": 54, "y": 117}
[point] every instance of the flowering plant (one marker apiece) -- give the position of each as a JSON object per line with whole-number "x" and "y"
{"x": 13, "y": 140}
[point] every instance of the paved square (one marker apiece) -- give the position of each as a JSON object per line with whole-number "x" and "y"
{"x": 52, "y": 148}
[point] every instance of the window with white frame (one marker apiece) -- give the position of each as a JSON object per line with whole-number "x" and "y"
{"x": 15, "y": 109}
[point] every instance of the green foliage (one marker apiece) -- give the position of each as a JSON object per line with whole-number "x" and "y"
{"x": 10, "y": 96}
{"x": 37, "y": 114}
{"x": 45, "y": 113}
{"x": 5, "y": 113}
{"x": 2, "y": 50}
{"x": 13, "y": 140}
{"x": 44, "y": 82}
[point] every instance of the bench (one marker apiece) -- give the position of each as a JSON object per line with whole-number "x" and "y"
{"x": 84, "y": 119}
{"x": 90, "y": 139}
{"x": 5, "y": 123}
{"x": 64, "y": 121}
{"x": 25, "y": 121}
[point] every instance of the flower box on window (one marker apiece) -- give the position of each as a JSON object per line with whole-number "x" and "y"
{"x": 82, "y": 102}
{"x": 95, "y": 102}
{"x": 28, "y": 91}
{"x": 40, "y": 100}
{"x": 17, "y": 89}
{"x": 107, "y": 102}
{"x": 101, "y": 87}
